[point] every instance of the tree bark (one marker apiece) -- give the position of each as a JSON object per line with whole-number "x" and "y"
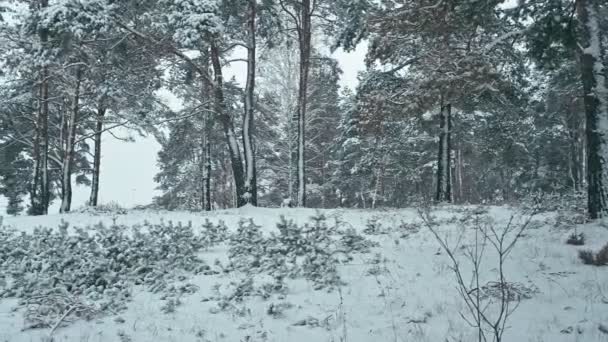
{"x": 250, "y": 195}
{"x": 228, "y": 126}
{"x": 596, "y": 105}
{"x": 68, "y": 158}
{"x": 444, "y": 186}
{"x": 304, "y": 37}
{"x": 34, "y": 191}
{"x": 94, "y": 198}
{"x": 207, "y": 167}
{"x": 44, "y": 148}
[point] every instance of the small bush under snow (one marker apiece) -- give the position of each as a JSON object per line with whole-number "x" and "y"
{"x": 98, "y": 266}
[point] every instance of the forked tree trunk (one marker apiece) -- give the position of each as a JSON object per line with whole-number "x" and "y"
{"x": 444, "y": 186}
{"x": 68, "y": 158}
{"x": 94, "y": 198}
{"x": 596, "y": 105}
{"x": 250, "y": 191}
{"x": 228, "y": 126}
{"x": 40, "y": 190}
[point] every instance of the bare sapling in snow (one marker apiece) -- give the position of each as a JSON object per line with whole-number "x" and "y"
{"x": 489, "y": 305}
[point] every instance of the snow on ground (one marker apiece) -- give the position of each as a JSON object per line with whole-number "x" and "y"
{"x": 408, "y": 294}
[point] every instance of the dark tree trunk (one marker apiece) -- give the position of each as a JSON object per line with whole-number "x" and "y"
{"x": 228, "y": 126}
{"x": 35, "y": 202}
{"x": 251, "y": 191}
{"x": 207, "y": 169}
{"x": 44, "y": 128}
{"x": 444, "y": 186}
{"x": 94, "y": 199}
{"x": 68, "y": 157}
{"x": 304, "y": 37}
{"x": 596, "y": 106}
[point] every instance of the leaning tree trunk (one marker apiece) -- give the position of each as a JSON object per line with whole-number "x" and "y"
{"x": 596, "y": 105}
{"x": 68, "y": 157}
{"x": 250, "y": 195}
{"x": 304, "y": 36}
{"x": 94, "y": 198}
{"x": 228, "y": 125}
{"x": 444, "y": 186}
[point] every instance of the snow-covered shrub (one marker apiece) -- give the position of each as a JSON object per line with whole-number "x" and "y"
{"x": 278, "y": 310}
{"x": 56, "y": 309}
{"x": 587, "y": 257}
{"x": 570, "y": 207}
{"x": 598, "y": 259}
{"x": 374, "y": 227}
{"x": 247, "y": 247}
{"x": 214, "y": 233}
{"x": 312, "y": 251}
{"x": 98, "y": 264}
{"x": 406, "y": 229}
{"x": 103, "y": 209}
{"x": 513, "y": 292}
{"x": 353, "y": 242}
{"x": 576, "y": 239}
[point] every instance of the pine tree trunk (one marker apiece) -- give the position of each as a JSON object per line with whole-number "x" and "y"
{"x": 304, "y": 35}
{"x": 596, "y": 105}
{"x": 68, "y": 158}
{"x": 228, "y": 126}
{"x": 293, "y": 156}
{"x": 574, "y": 162}
{"x": 459, "y": 171}
{"x": 44, "y": 146}
{"x": 444, "y": 186}
{"x": 44, "y": 127}
{"x": 250, "y": 194}
{"x": 207, "y": 170}
{"x": 94, "y": 198}
{"x": 35, "y": 201}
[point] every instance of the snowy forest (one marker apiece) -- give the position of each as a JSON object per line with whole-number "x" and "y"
{"x": 318, "y": 170}
{"x": 461, "y": 101}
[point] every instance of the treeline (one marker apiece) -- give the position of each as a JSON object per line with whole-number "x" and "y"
{"x": 462, "y": 101}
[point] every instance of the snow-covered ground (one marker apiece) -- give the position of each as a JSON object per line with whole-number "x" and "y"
{"x": 404, "y": 290}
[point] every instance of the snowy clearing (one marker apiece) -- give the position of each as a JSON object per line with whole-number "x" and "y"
{"x": 403, "y": 289}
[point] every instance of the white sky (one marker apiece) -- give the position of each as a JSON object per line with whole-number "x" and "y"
{"x": 128, "y": 169}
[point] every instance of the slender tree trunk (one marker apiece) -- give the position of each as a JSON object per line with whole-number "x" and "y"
{"x": 207, "y": 167}
{"x": 42, "y": 174}
{"x": 44, "y": 148}
{"x": 293, "y": 156}
{"x": 94, "y": 198}
{"x": 596, "y": 105}
{"x": 228, "y": 125}
{"x": 574, "y": 161}
{"x": 68, "y": 158}
{"x": 34, "y": 192}
{"x": 250, "y": 195}
{"x": 459, "y": 169}
{"x": 304, "y": 35}
{"x": 444, "y": 186}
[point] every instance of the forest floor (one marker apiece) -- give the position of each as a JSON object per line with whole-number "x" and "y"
{"x": 402, "y": 289}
